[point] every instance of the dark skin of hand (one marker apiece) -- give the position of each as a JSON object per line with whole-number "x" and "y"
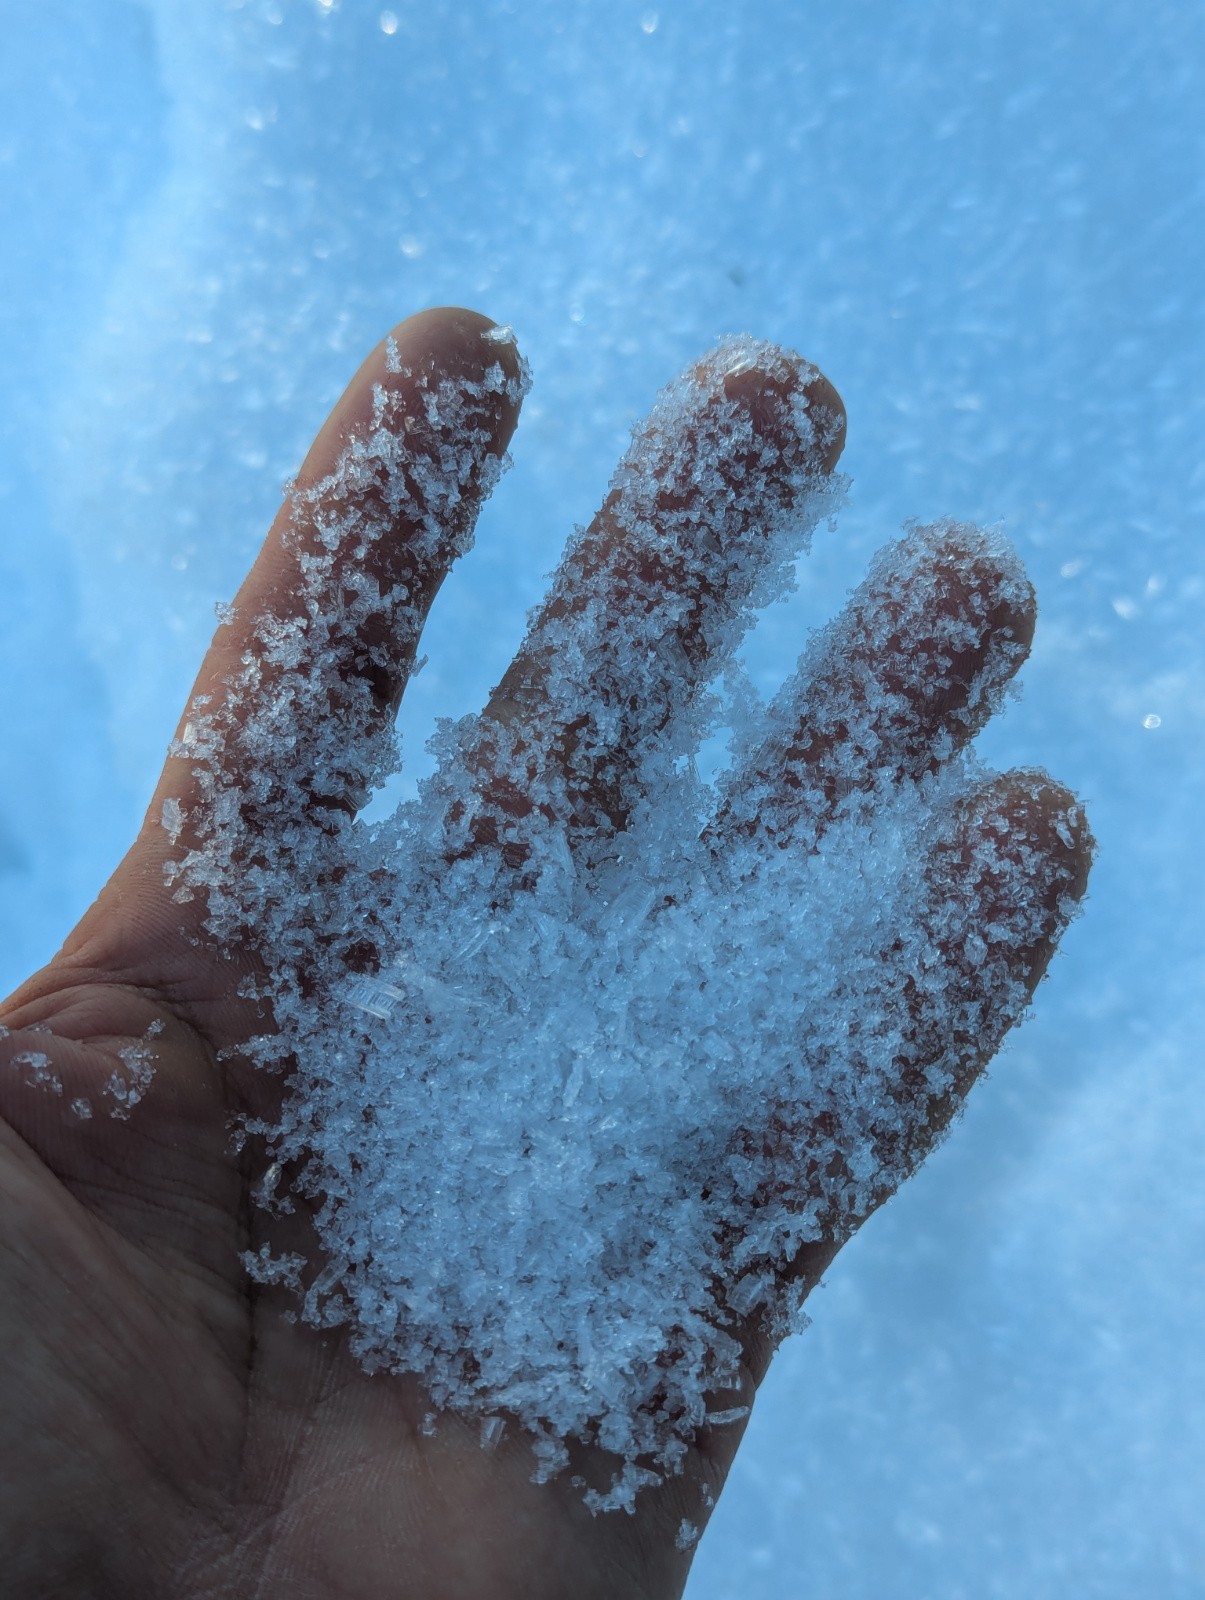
{"x": 167, "y": 1432}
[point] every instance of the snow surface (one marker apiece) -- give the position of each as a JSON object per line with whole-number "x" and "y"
{"x": 987, "y": 232}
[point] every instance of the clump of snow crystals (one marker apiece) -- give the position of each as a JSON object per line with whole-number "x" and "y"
{"x": 564, "y": 1108}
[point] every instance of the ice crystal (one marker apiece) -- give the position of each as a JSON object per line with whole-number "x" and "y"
{"x": 39, "y": 1073}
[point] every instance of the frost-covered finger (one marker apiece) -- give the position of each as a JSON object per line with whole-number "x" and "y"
{"x": 901, "y": 680}
{"x": 918, "y": 1025}
{"x": 297, "y": 692}
{"x": 290, "y": 727}
{"x": 1002, "y": 885}
{"x": 714, "y": 499}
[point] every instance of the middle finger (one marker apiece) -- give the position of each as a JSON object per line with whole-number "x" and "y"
{"x": 719, "y": 488}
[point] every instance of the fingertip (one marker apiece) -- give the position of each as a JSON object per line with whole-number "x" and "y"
{"x": 1017, "y": 864}
{"x": 784, "y": 395}
{"x": 1051, "y": 819}
{"x": 983, "y": 577}
{"x": 441, "y": 344}
{"x": 454, "y": 342}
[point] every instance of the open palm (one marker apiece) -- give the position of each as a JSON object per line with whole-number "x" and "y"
{"x": 167, "y": 1429}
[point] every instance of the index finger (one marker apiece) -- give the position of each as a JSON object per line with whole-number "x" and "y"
{"x": 290, "y": 719}
{"x": 312, "y": 660}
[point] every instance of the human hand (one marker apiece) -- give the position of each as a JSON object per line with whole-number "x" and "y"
{"x": 177, "y": 1431}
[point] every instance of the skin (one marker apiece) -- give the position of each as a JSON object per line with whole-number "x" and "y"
{"x": 166, "y": 1430}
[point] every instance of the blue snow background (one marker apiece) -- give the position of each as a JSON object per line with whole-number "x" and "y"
{"x": 986, "y": 221}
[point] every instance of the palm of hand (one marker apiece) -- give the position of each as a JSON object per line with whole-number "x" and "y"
{"x": 178, "y": 1433}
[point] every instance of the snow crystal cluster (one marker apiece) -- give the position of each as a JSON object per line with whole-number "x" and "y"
{"x": 123, "y": 1089}
{"x": 578, "y": 1052}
